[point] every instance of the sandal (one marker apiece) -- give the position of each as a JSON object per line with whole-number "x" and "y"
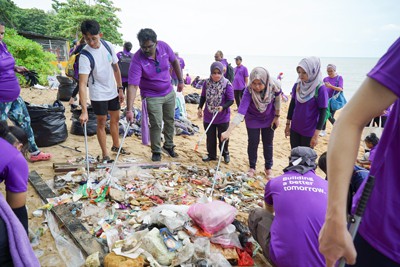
{"x": 268, "y": 174}
{"x": 105, "y": 159}
{"x": 122, "y": 152}
{"x": 40, "y": 157}
{"x": 251, "y": 172}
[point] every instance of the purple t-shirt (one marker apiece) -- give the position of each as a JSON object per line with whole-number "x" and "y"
{"x": 9, "y": 86}
{"x": 253, "y": 118}
{"x": 13, "y": 168}
{"x": 380, "y": 225}
{"x": 223, "y": 116}
{"x": 335, "y": 81}
{"x": 299, "y": 201}
{"x": 154, "y": 81}
{"x": 119, "y": 54}
{"x": 306, "y": 115}
{"x": 181, "y": 63}
{"x": 239, "y": 83}
{"x": 372, "y": 153}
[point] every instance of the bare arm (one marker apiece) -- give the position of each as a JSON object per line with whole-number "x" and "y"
{"x": 335, "y": 240}
{"x": 83, "y": 81}
{"x": 16, "y": 200}
{"x": 178, "y": 72}
{"x": 118, "y": 79}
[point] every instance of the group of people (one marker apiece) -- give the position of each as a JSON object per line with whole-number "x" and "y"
{"x": 305, "y": 217}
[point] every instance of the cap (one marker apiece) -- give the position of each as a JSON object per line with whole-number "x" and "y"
{"x": 238, "y": 57}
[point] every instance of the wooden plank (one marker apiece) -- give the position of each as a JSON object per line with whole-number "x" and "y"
{"x": 82, "y": 238}
{"x": 67, "y": 167}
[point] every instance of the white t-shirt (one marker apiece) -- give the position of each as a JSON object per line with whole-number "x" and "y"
{"x": 104, "y": 87}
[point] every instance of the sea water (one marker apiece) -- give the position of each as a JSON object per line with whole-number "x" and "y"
{"x": 352, "y": 69}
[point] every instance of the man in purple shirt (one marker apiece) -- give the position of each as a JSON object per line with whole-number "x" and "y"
{"x": 174, "y": 78}
{"x": 149, "y": 70}
{"x": 219, "y": 56}
{"x": 295, "y": 205}
{"x": 377, "y": 241}
{"x": 240, "y": 81}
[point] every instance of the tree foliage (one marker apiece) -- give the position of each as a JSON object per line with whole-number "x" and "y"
{"x": 30, "y": 54}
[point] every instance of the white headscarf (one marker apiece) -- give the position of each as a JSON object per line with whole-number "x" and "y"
{"x": 306, "y": 90}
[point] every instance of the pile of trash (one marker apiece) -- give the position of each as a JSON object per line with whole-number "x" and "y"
{"x": 175, "y": 216}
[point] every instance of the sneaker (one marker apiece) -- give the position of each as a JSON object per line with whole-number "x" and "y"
{"x": 170, "y": 151}
{"x": 156, "y": 157}
{"x": 251, "y": 172}
{"x": 322, "y": 133}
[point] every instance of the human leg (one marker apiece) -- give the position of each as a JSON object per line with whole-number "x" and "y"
{"x": 101, "y": 134}
{"x": 259, "y": 222}
{"x": 168, "y": 110}
{"x": 369, "y": 256}
{"x": 267, "y": 135}
{"x": 237, "y": 94}
{"x": 222, "y": 127}
{"x": 155, "y": 113}
{"x": 113, "y": 109}
{"x": 253, "y": 139}
{"x": 211, "y": 142}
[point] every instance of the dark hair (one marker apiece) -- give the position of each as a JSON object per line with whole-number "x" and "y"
{"x": 372, "y": 138}
{"x": 90, "y": 26}
{"x": 145, "y": 35}
{"x": 128, "y": 46}
{"x": 2, "y": 23}
{"x": 220, "y": 53}
{"x": 322, "y": 162}
{"x": 13, "y": 135}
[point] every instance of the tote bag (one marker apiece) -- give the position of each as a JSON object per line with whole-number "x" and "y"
{"x": 338, "y": 101}
{"x": 372, "y": 129}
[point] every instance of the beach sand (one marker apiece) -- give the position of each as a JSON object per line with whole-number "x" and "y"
{"x": 184, "y": 147}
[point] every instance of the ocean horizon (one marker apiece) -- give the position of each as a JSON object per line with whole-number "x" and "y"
{"x": 352, "y": 69}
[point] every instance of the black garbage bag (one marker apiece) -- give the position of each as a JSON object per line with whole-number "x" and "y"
{"x": 48, "y": 123}
{"x": 76, "y": 127}
{"x": 65, "y": 88}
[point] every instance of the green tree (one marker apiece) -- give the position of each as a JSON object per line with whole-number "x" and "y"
{"x": 30, "y": 54}
{"x": 7, "y": 11}
{"x": 70, "y": 14}
{"x": 33, "y": 20}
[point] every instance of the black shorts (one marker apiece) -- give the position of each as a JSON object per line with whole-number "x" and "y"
{"x": 102, "y": 107}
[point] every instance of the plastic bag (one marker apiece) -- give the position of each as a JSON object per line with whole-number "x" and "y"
{"x": 378, "y": 130}
{"x": 48, "y": 123}
{"x": 213, "y": 216}
{"x": 91, "y": 124}
{"x": 65, "y": 88}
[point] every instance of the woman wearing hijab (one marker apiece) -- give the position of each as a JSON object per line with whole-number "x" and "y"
{"x": 260, "y": 107}
{"x": 334, "y": 83}
{"x": 217, "y": 94}
{"x": 307, "y": 109}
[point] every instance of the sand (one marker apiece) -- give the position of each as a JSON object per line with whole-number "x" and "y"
{"x": 184, "y": 147}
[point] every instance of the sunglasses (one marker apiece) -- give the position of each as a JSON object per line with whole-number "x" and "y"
{"x": 157, "y": 64}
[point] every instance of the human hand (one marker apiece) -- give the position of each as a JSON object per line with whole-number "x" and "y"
{"x": 180, "y": 87}
{"x": 287, "y": 131}
{"x": 20, "y": 69}
{"x": 335, "y": 242}
{"x": 328, "y": 84}
{"x": 199, "y": 113}
{"x": 129, "y": 116}
{"x": 84, "y": 118}
{"x": 121, "y": 96}
{"x": 314, "y": 139}
{"x": 220, "y": 108}
{"x": 275, "y": 123}
{"x": 225, "y": 135}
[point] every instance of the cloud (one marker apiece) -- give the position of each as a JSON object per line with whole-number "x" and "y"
{"x": 390, "y": 27}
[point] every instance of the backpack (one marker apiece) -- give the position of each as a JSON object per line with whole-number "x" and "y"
{"x": 75, "y": 58}
{"x": 328, "y": 109}
{"x": 230, "y": 73}
{"x": 124, "y": 63}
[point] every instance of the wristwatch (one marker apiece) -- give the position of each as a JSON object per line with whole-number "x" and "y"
{"x": 120, "y": 87}
{"x": 180, "y": 81}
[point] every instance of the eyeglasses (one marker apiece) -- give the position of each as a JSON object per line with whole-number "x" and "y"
{"x": 157, "y": 64}
{"x": 143, "y": 47}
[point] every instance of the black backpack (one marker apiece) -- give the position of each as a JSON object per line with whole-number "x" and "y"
{"x": 124, "y": 63}
{"x": 230, "y": 73}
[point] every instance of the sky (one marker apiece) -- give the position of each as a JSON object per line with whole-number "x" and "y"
{"x": 334, "y": 28}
